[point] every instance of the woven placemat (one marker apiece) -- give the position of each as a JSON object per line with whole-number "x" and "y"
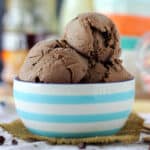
{"x": 129, "y": 134}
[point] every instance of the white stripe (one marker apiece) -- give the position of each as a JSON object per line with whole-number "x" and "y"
{"x": 74, "y": 109}
{"x": 74, "y": 128}
{"x": 74, "y": 89}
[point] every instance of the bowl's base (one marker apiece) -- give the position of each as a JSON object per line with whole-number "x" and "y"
{"x": 74, "y": 135}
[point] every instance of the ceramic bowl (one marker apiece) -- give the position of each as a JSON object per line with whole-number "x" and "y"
{"x": 74, "y": 110}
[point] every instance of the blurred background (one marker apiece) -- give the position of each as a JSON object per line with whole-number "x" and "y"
{"x": 25, "y": 22}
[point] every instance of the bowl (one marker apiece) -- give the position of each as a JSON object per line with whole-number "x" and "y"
{"x": 74, "y": 110}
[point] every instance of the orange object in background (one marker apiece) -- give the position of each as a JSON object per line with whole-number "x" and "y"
{"x": 14, "y": 57}
{"x": 131, "y": 25}
{"x": 12, "y": 61}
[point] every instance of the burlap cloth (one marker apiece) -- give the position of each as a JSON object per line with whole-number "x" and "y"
{"x": 129, "y": 134}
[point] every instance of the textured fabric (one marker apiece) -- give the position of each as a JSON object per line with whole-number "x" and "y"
{"x": 129, "y": 134}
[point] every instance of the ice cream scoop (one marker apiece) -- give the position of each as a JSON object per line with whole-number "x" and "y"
{"x": 49, "y": 62}
{"x": 116, "y": 72}
{"x": 112, "y": 71}
{"x": 95, "y": 74}
{"x": 93, "y": 35}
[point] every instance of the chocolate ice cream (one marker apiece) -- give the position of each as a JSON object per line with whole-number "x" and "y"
{"x": 95, "y": 74}
{"x": 112, "y": 71}
{"x": 48, "y": 62}
{"x": 88, "y": 53}
{"x": 116, "y": 72}
{"x": 93, "y": 35}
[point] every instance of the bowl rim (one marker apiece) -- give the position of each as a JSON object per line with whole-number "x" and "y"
{"x": 16, "y": 79}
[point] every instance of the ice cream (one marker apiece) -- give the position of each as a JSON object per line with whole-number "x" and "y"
{"x": 113, "y": 71}
{"x": 93, "y": 35}
{"x": 116, "y": 72}
{"x": 95, "y": 74}
{"x": 88, "y": 52}
{"x": 51, "y": 62}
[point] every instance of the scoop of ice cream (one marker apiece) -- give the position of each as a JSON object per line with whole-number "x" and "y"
{"x": 50, "y": 62}
{"x": 116, "y": 72}
{"x": 46, "y": 46}
{"x": 93, "y": 35}
{"x": 112, "y": 71}
{"x": 95, "y": 74}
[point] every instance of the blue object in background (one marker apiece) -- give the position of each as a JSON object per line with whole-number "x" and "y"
{"x": 129, "y": 42}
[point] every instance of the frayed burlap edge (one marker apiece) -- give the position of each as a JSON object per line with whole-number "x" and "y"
{"x": 129, "y": 134}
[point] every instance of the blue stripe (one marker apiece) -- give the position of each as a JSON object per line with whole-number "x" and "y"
{"x": 90, "y": 99}
{"x": 74, "y": 135}
{"x": 73, "y": 118}
{"x": 128, "y": 42}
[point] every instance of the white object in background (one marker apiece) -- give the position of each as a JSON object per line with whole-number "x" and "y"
{"x": 143, "y": 61}
{"x": 129, "y": 60}
{"x": 71, "y": 8}
{"x": 128, "y": 7}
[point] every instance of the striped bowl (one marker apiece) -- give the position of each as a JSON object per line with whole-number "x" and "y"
{"x": 74, "y": 110}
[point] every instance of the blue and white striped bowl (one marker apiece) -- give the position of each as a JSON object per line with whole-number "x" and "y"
{"x": 74, "y": 110}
